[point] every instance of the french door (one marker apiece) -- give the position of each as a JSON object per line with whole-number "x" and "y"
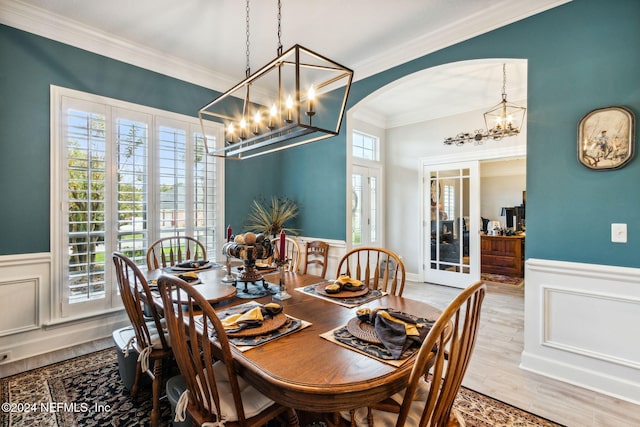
{"x": 451, "y": 223}
{"x": 365, "y": 206}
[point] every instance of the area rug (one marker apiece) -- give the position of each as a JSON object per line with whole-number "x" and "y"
{"x": 87, "y": 391}
{"x": 503, "y": 280}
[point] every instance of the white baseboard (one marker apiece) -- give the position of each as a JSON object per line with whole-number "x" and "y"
{"x": 580, "y": 325}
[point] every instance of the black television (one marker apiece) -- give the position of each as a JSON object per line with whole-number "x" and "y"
{"x": 513, "y": 217}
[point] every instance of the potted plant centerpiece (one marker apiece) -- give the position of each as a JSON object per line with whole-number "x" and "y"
{"x": 269, "y": 217}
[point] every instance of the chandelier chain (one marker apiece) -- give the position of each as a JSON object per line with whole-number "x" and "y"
{"x": 248, "y": 67}
{"x": 504, "y": 81}
{"x": 279, "y": 27}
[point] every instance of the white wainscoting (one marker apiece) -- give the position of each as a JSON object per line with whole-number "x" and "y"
{"x": 581, "y": 323}
{"x": 25, "y": 312}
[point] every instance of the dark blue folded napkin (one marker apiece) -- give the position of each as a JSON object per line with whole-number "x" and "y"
{"x": 396, "y": 330}
{"x": 192, "y": 264}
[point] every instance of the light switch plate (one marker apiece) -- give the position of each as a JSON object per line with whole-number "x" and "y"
{"x": 619, "y": 233}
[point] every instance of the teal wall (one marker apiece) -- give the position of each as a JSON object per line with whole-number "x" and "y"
{"x": 582, "y": 55}
{"x": 29, "y": 65}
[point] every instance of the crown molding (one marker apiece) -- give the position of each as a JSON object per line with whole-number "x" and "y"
{"x": 19, "y": 15}
{"x": 55, "y": 27}
{"x": 368, "y": 116}
{"x": 456, "y": 32}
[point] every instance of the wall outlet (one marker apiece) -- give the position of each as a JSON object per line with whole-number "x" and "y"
{"x": 5, "y": 356}
{"x": 619, "y": 233}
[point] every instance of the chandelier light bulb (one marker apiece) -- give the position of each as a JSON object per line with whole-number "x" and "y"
{"x": 289, "y": 105}
{"x": 311, "y": 95}
{"x": 230, "y": 131}
{"x": 243, "y": 128}
{"x": 256, "y": 121}
{"x": 273, "y": 113}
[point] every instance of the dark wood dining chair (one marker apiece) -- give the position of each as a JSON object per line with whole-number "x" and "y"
{"x": 316, "y": 253}
{"x": 293, "y": 253}
{"x": 151, "y": 340}
{"x": 172, "y": 250}
{"x": 437, "y": 373}
{"x": 379, "y": 268}
{"x": 214, "y": 393}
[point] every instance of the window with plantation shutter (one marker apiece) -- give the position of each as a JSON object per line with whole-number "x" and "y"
{"x": 123, "y": 176}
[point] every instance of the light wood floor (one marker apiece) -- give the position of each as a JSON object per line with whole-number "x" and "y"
{"x": 494, "y": 368}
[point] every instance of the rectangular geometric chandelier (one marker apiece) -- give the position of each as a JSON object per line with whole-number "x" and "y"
{"x": 297, "y": 98}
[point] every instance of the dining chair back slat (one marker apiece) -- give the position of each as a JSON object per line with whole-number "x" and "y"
{"x": 172, "y": 250}
{"x": 379, "y": 268}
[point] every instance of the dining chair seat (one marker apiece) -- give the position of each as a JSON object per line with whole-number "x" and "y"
{"x": 254, "y": 401}
{"x": 389, "y": 417}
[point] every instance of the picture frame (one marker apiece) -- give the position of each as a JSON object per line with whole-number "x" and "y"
{"x": 606, "y": 138}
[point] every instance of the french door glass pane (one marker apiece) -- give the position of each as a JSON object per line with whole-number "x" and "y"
{"x": 356, "y": 211}
{"x": 449, "y": 200}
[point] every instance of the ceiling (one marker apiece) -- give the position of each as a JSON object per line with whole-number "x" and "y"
{"x": 204, "y": 41}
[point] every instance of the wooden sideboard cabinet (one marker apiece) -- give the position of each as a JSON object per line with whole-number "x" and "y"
{"x": 502, "y": 255}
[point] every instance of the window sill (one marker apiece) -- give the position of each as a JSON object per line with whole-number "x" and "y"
{"x": 83, "y": 317}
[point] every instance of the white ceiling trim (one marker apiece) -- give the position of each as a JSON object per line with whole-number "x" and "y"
{"x": 456, "y": 32}
{"x": 34, "y": 20}
{"x": 55, "y": 27}
{"x": 370, "y": 117}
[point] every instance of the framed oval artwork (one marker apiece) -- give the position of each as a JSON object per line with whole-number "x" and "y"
{"x": 606, "y": 138}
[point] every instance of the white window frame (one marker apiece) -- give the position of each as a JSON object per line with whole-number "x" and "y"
{"x": 376, "y": 168}
{"x": 375, "y": 150}
{"x": 61, "y": 309}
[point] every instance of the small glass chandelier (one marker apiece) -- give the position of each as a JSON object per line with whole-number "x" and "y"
{"x": 297, "y": 98}
{"x": 501, "y": 121}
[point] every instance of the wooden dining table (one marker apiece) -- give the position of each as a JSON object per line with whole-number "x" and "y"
{"x": 307, "y": 372}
